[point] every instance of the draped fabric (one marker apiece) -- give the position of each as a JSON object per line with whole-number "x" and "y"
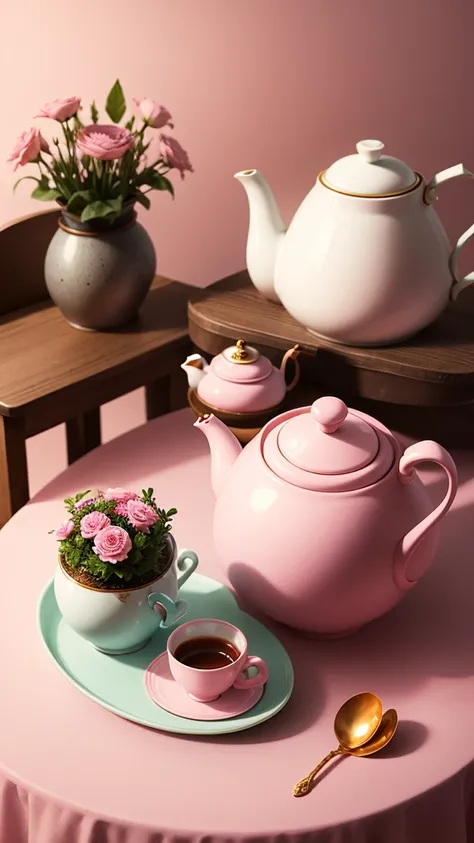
{"x": 442, "y": 815}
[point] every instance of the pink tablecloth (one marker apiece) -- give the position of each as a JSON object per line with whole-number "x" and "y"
{"x": 75, "y": 773}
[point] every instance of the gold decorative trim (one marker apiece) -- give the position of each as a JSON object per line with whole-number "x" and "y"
{"x": 97, "y": 233}
{"x": 429, "y": 195}
{"x": 242, "y": 353}
{"x": 123, "y": 591}
{"x": 419, "y": 180}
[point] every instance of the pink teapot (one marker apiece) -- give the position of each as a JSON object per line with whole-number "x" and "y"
{"x": 240, "y": 379}
{"x": 321, "y": 522}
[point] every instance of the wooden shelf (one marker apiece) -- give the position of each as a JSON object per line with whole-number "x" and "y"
{"x": 49, "y": 371}
{"x": 435, "y": 368}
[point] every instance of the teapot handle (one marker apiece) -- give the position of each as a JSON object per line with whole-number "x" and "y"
{"x": 460, "y": 284}
{"x": 426, "y": 451}
{"x": 291, "y": 354}
{"x": 429, "y": 197}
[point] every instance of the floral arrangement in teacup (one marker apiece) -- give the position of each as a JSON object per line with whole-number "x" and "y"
{"x": 115, "y": 537}
{"x": 95, "y": 169}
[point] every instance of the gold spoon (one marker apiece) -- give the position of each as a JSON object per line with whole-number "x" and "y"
{"x": 381, "y": 738}
{"x": 355, "y": 723}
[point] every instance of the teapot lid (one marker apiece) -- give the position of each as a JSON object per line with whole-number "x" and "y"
{"x": 370, "y": 173}
{"x": 241, "y": 363}
{"x": 327, "y": 447}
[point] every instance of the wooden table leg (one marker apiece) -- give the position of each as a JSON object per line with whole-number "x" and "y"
{"x": 14, "y": 491}
{"x": 82, "y": 434}
{"x": 166, "y": 395}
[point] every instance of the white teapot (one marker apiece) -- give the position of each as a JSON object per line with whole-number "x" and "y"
{"x": 366, "y": 260}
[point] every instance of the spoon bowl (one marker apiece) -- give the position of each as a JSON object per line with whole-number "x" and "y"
{"x": 380, "y": 738}
{"x": 358, "y": 719}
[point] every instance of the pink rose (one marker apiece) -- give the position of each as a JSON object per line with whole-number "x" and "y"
{"x": 119, "y": 494}
{"x": 174, "y": 155}
{"x": 154, "y": 115}
{"x": 112, "y": 544}
{"x": 65, "y": 530}
{"x": 61, "y": 109}
{"x": 141, "y": 515}
{"x": 105, "y": 142}
{"x": 27, "y": 148}
{"x": 44, "y": 145}
{"x": 121, "y": 509}
{"x": 92, "y": 523}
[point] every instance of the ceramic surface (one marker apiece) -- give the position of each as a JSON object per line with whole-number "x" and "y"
{"x": 365, "y": 260}
{"x": 100, "y": 281}
{"x": 330, "y": 542}
{"x": 234, "y": 385}
{"x": 117, "y": 683}
{"x": 123, "y": 621}
{"x": 208, "y": 685}
{"x": 355, "y": 174}
{"x": 162, "y": 688}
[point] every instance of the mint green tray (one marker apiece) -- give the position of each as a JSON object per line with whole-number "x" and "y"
{"x": 117, "y": 682}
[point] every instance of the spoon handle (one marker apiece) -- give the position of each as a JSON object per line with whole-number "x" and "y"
{"x": 304, "y": 786}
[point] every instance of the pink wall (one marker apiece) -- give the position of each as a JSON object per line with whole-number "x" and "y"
{"x": 283, "y": 85}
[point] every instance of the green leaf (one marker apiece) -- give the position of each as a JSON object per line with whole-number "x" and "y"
{"x": 130, "y": 124}
{"x": 102, "y": 209}
{"x": 115, "y": 188}
{"x": 23, "y": 179}
{"x": 143, "y": 200}
{"x": 155, "y": 180}
{"x": 162, "y": 183}
{"x": 116, "y": 204}
{"x": 79, "y": 200}
{"x": 46, "y": 194}
{"x": 79, "y": 495}
{"x": 94, "y": 113}
{"x": 115, "y": 105}
{"x": 86, "y": 161}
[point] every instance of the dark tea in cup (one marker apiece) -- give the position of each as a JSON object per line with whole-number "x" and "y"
{"x": 206, "y": 652}
{"x": 208, "y": 657}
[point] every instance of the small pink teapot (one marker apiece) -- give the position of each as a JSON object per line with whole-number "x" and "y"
{"x": 320, "y": 522}
{"x": 240, "y": 379}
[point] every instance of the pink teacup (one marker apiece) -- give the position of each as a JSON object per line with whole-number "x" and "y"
{"x": 206, "y": 684}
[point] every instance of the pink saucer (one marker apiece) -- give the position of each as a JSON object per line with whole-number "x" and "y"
{"x": 165, "y": 692}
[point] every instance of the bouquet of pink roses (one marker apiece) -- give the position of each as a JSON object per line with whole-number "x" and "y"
{"x": 95, "y": 169}
{"x": 115, "y": 537}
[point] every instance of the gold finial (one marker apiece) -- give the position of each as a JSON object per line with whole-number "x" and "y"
{"x": 240, "y": 353}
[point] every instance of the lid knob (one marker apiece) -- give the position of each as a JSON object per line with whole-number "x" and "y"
{"x": 240, "y": 352}
{"x": 371, "y": 150}
{"x": 330, "y": 413}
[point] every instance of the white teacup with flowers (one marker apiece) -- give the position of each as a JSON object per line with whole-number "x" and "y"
{"x": 119, "y": 570}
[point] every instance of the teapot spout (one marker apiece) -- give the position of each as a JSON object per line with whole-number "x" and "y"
{"x": 266, "y": 232}
{"x": 224, "y": 446}
{"x": 195, "y": 367}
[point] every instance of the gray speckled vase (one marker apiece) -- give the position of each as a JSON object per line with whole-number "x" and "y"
{"x": 99, "y": 278}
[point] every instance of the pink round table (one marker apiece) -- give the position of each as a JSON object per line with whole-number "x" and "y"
{"x": 71, "y": 772}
